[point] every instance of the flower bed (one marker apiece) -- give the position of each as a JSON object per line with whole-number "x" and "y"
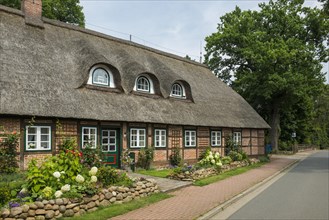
{"x": 190, "y": 173}
{"x": 63, "y": 207}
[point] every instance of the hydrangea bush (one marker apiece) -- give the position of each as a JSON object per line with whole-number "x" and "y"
{"x": 211, "y": 159}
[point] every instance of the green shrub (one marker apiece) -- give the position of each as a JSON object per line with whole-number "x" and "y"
{"x": 175, "y": 157}
{"x": 264, "y": 159}
{"x": 145, "y": 157}
{"x": 109, "y": 176}
{"x": 5, "y": 195}
{"x": 91, "y": 156}
{"x": 226, "y": 160}
{"x": 8, "y": 152}
{"x": 235, "y": 156}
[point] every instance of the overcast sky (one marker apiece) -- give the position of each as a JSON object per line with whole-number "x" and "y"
{"x": 178, "y": 27}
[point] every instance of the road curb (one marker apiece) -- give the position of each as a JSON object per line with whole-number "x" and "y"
{"x": 229, "y": 202}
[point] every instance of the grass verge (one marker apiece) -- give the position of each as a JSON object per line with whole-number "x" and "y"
{"x": 222, "y": 176}
{"x": 120, "y": 209}
{"x": 157, "y": 173}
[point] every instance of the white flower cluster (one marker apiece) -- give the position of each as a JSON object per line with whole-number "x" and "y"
{"x": 79, "y": 178}
{"x": 58, "y": 194}
{"x": 93, "y": 179}
{"x": 93, "y": 171}
{"x": 211, "y": 159}
{"x": 57, "y": 174}
{"x": 66, "y": 188}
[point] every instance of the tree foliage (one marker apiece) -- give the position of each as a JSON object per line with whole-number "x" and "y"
{"x": 275, "y": 56}
{"x": 63, "y": 10}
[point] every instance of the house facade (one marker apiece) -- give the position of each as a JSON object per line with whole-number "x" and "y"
{"x": 59, "y": 80}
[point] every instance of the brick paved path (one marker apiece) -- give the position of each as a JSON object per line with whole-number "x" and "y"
{"x": 193, "y": 201}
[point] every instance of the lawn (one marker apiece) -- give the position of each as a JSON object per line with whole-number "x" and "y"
{"x": 120, "y": 209}
{"x": 157, "y": 173}
{"x": 222, "y": 176}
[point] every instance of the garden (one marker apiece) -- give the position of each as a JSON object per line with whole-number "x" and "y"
{"x": 68, "y": 184}
{"x": 75, "y": 182}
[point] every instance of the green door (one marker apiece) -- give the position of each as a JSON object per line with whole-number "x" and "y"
{"x": 110, "y": 147}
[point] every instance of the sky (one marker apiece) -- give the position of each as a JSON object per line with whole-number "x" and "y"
{"x": 174, "y": 26}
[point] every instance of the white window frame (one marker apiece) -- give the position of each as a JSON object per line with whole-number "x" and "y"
{"x": 150, "y": 83}
{"x": 190, "y": 138}
{"x": 110, "y": 83}
{"x": 182, "y": 95}
{"x": 160, "y": 138}
{"x": 216, "y": 138}
{"x": 108, "y": 138}
{"x": 37, "y": 143}
{"x": 237, "y": 137}
{"x": 136, "y": 143}
{"x": 94, "y": 143}
{"x": 147, "y": 84}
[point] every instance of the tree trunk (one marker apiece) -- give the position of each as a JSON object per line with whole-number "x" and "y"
{"x": 275, "y": 126}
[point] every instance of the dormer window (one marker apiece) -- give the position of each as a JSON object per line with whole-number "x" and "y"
{"x": 100, "y": 75}
{"x": 177, "y": 91}
{"x": 143, "y": 84}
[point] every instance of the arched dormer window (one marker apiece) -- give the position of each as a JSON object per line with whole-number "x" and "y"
{"x": 100, "y": 75}
{"x": 177, "y": 91}
{"x": 144, "y": 84}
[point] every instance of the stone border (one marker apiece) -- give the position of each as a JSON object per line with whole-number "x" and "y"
{"x": 57, "y": 208}
{"x": 206, "y": 172}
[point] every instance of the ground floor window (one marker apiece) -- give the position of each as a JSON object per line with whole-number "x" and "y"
{"x": 137, "y": 137}
{"x": 190, "y": 138}
{"x": 237, "y": 137}
{"x": 89, "y": 136}
{"x": 160, "y": 138}
{"x": 38, "y": 138}
{"x": 216, "y": 138}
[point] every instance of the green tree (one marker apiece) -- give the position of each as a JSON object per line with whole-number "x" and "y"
{"x": 275, "y": 56}
{"x": 63, "y": 10}
{"x": 321, "y": 121}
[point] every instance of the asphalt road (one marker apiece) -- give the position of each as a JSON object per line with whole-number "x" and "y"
{"x": 302, "y": 193}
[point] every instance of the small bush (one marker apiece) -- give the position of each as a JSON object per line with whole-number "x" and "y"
{"x": 175, "y": 157}
{"x": 226, "y": 160}
{"x": 235, "y": 156}
{"x": 5, "y": 195}
{"x": 264, "y": 159}
{"x": 91, "y": 156}
{"x": 8, "y": 151}
{"x": 145, "y": 157}
{"x": 109, "y": 176}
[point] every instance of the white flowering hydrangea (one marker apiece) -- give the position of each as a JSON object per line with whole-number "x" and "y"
{"x": 93, "y": 171}
{"x": 58, "y": 194}
{"x": 211, "y": 158}
{"x": 66, "y": 188}
{"x": 57, "y": 174}
{"x": 79, "y": 178}
{"x": 93, "y": 179}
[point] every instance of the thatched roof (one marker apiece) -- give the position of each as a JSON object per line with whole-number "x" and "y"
{"x": 44, "y": 73}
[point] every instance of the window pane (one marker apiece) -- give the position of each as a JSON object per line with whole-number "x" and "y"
{"x": 31, "y": 137}
{"x": 32, "y": 130}
{"x": 105, "y": 133}
{"x": 44, "y": 145}
{"x": 112, "y": 148}
{"x": 44, "y": 130}
{"x": 100, "y": 76}
{"x": 92, "y": 131}
{"x": 44, "y": 137}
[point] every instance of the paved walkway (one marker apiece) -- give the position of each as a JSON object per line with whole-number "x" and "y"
{"x": 165, "y": 184}
{"x": 192, "y": 201}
